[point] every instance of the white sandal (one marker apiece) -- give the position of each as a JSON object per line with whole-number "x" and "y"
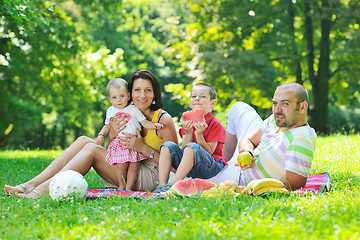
{"x": 36, "y": 192}
{"x": 24, "y": 188}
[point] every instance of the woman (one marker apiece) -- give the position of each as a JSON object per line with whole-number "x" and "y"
{"x": 84, "y": 153}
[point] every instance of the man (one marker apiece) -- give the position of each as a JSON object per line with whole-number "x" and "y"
{"x": 242, "y": 121}
{"x": 283, "y": 147}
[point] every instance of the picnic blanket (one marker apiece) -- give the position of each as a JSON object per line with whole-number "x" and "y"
{"x": 107, "y": 192}
{"x": 317, "y": 183}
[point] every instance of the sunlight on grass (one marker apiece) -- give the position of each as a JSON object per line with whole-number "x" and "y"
{"x": 332, "y": 215}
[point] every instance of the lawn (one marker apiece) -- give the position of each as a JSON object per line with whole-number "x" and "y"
{"x": 333, "y": 215}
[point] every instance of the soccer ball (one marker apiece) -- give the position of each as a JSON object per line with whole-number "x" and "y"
{"x": 67, "y": 184}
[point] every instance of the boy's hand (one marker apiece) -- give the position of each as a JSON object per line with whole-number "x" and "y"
{"x": 99, "y": 140}
{"x": 199, "y": 127}
{"x": 187, "y": 126}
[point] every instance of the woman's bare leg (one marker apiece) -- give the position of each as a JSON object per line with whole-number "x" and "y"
{"x": 131, "y": 175}
{"x": 91, "y": 155}
{"x": 52, "y": 169}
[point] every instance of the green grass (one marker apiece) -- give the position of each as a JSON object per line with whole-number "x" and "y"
{"x": 333, "y": 215}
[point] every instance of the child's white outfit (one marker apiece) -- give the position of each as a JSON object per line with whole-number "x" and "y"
{"x": 115, "y": 152}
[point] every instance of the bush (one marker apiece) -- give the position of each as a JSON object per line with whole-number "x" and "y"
{"x": 343, "y": 119}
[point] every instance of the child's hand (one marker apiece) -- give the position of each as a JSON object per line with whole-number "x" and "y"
{"x": 158, "y": 126}
{"x": 99, "y": 140}
{"x": 199, "y": 127}
{"x": 187, "y": 126}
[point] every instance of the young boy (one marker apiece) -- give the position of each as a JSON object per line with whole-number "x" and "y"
{"x": 202, "y": 153}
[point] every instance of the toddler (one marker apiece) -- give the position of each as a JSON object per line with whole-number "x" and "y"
{"x": 126, "y": 160}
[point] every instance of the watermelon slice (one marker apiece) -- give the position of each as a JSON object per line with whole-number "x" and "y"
{"x": 196, "y": 115}
{"x": 190, "y": 187}
{"x": 123, "y": 114}
{"x": 202, "y": 184}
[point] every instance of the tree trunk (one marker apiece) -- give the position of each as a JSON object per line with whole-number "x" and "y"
{"x": 319, "y": 82}
{"x": 5, "y": 138}
{"x": 320, "y": 116}
{"x": 296, "y": 57}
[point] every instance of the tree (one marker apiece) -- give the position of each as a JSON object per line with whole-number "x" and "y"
{"x": 55, "y": 69}
{"x": 248, "y": 46}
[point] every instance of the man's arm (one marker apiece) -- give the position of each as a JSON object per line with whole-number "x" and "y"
{"x": 250, "y": 143}
{"x": 294, "y": 181}
{"x": 229, "y": 146}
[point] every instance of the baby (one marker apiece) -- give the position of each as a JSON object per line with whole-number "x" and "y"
{"x": 126, "y": 160}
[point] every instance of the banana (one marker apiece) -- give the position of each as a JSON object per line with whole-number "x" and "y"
{"x": 267, "y": 182}
{"x": 250, "y": 184}
{"x": 270, "y": 189}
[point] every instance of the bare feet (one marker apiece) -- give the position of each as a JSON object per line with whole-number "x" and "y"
{"x": 32, "y": 194}
{"x": 21, "y": 188}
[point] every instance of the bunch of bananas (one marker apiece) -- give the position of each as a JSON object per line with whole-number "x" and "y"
{"x": 260, "y": 186}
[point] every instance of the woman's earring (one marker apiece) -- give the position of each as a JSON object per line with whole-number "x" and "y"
{"x": 153, "y": 102}
{"x": 132, "y": 103}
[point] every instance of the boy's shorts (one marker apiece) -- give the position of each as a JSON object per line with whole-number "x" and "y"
{"x": 205, "y": 166}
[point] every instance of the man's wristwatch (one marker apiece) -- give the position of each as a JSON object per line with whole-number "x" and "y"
{"x": 152, "y": 154}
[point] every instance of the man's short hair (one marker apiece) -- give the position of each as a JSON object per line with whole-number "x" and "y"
{"x": 300, "y": 90}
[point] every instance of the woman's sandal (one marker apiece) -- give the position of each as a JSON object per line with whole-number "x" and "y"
{"x": 23, "y": 189}
{"x": 36, "y": 192}
{"x": 23, "y": 195}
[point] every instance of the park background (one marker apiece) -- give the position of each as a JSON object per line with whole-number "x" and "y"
{"x": 56, "y": 58}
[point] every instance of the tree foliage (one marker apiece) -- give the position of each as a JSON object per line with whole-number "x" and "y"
{"x": 55, "y": 70}
{"x": 244, "y": 46}
{"x": 57, "y": 56}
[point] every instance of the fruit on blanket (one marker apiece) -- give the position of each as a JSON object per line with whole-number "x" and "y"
{"x": 123, "y": 114}
{"x": 195, "y": 116}
{"x": 267, "y": 182}
{"x": 228, "y": 185}
{"x": 270, "y": 189}
{"x": 260, "y": 186}
{"x": 202, "y": 184}
{"x": 218, "y": 192}
{"x": 188, "y": 187}
{"x": 244, "y": 158}
{"x": 239, "y": 189}
{"x": 67, "y": 184}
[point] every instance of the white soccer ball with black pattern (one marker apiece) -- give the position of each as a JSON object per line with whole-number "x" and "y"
{"x": 67, "y": 184}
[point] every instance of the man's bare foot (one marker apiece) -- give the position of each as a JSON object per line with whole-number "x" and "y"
{"x": 32, "y": 194}
{"x": 21, "y": 188}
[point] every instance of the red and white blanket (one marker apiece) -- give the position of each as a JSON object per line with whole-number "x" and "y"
{"x": 317, "y": 183}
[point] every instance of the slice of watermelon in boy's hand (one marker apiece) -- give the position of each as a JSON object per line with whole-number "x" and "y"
{"x": 195, "y": 116}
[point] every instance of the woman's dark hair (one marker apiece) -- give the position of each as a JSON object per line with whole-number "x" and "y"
{"x": 145, "y": 74}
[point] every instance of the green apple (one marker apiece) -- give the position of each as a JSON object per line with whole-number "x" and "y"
{"x": 244, "y": 158}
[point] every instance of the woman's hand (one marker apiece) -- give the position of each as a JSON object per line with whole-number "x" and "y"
{"x": 117, "y": 124}
{"x": 133, "y": 142}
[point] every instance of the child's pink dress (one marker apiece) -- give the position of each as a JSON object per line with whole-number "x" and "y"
{"x": 115, "y": 152}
